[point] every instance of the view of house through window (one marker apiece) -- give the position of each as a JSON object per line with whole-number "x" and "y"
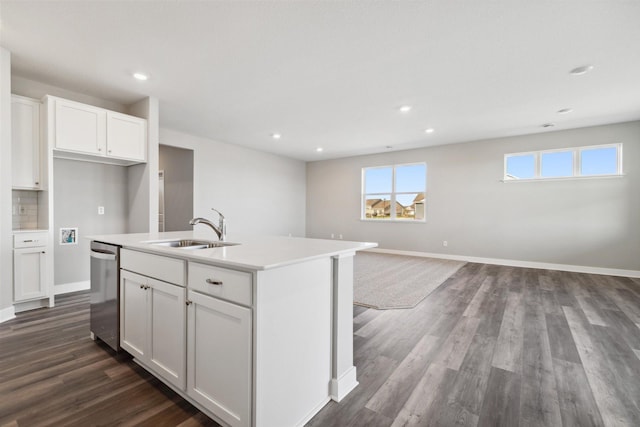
{"x": 394, "y": 192}
{"x": 600, "y": 160}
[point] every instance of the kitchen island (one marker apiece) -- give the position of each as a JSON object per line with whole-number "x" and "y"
{"x": 258, "y": 333}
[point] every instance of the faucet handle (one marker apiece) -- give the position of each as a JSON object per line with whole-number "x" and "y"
{"x": 218, "y": 212}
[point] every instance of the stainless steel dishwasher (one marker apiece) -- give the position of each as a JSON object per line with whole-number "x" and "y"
{"x": 105, "y": 293}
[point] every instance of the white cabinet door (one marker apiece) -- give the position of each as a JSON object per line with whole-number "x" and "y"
{"x": 219, "y": 364}
{"x": 153, "y": 325}
{"x": 25, "y": 142}
{"x": 126, "y": 136}
{"x": 167, "y": 334}
{"x": 80, "y": 127}
{"x": 30, "y": 272}
{"x": 133, "y": 314}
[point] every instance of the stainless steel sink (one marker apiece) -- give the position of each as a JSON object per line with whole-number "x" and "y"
{"x": 192, "y": 244}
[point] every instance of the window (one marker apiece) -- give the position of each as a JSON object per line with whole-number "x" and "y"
{"x": 394, "y": 193}
{"x": 579, "y": 162}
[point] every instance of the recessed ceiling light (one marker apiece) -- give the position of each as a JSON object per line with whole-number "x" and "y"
{"x": 581, "y": 70}
{"x": 276, "y": 136}
{"x": 405, "y": 108}
{"x": 140, "y": 76}
{"x": 565, "y": 111}
{"x": 429, "y": 130}
{"x": 319, "y": 149}
{"x": 548, "y": 125}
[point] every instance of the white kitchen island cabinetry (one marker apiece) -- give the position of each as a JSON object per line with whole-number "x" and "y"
{"x": 85, "y": 132}
{"x": 219, "y": 363}
{"x": 268, "y": 340}
{"x": 153, "y": 322}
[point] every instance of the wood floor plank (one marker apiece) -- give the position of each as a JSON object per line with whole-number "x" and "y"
{"x": 599, "y": 374}
{"x": 508, "y": 352}
{"x": 416, "y": 410}
{"x": 623, "y": 365}
{"x": 539, "y": 404}
{"x": 474, "y": 306}
{"x": 455, "y": 347}
{"x": 560, "y": 339}
{"x": 501, "y": 405}
{"x": 390, "y": 398}
{"x": 591, "y": 311}
{"x": 577, "y": 404}
{"x": 369, "y": 418}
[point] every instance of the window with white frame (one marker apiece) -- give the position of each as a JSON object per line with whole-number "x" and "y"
{"x": 578, "y": 162}
{"x": 394, "y": 193}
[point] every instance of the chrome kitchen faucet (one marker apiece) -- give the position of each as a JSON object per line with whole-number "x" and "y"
{"x": 221, "y": 229}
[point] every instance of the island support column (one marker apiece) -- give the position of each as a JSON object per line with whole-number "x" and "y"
{"x": 343, "y": 372}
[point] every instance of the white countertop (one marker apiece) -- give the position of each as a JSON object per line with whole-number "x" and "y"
{"x": 252, "y": 252}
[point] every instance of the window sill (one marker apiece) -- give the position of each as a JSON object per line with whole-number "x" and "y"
{"x": 396, "y": 221}
{"x": 565, "y": 178}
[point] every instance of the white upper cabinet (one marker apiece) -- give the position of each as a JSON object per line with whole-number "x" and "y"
{"x": 80, "y": 127}
{"x": 126, "y": 136}
{"x": 85, "y": 132}
{"x": 25, "y": 143}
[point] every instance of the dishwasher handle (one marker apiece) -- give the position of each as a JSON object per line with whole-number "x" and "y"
{"x": 102, "y": 254}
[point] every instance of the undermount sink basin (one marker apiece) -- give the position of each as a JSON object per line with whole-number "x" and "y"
{"x": 192, "y": 244}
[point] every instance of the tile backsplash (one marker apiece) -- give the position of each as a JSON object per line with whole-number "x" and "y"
{"x": 25, "y": 210}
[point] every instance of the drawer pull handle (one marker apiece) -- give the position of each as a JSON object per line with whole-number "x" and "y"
{"x": 141, "y": 286}
{"x": 188, "y": 302}
{"x": 214, "y": 282}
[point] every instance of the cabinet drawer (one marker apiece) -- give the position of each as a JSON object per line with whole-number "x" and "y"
{"x": 219, "y": 282}
{"x": 160, "y": 267}
{"x": 30, "y": 240}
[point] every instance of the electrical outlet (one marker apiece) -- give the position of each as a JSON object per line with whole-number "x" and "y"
{"x": 100, "y": 210}
{"x": 445, "y": 243}
{"x": 333, "y": 236}
{"x": 340, "y": 236}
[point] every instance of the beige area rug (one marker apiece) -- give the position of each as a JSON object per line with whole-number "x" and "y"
{"x": 386, "y": 281}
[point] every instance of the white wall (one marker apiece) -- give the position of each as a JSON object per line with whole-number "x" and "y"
{"x": 589, "y": 222}
{"x": 6, "y": 236}
{"x": 79, "y": 188}
{"x": 258, "y": 193}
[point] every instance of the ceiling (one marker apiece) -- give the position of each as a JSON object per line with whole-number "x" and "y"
{"x": 333, "y": 74}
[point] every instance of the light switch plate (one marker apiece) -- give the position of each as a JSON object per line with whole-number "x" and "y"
{"x": 100, "y": 210}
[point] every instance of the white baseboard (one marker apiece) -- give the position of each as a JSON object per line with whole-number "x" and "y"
{"x": 516, "y": 263}
{"x": 66, "y": 288}
{"x": 7, "y": 314}
{"x": 339, "y": 388}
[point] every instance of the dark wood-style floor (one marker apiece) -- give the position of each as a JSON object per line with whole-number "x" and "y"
{"x": 492, "y": 346}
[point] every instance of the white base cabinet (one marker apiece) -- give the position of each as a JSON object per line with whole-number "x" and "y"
{"x": 219, "y": 363}
{"x": 31, "y": 280}
{"x": 153, "y": 325}
{"x": 30, "y": 272}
